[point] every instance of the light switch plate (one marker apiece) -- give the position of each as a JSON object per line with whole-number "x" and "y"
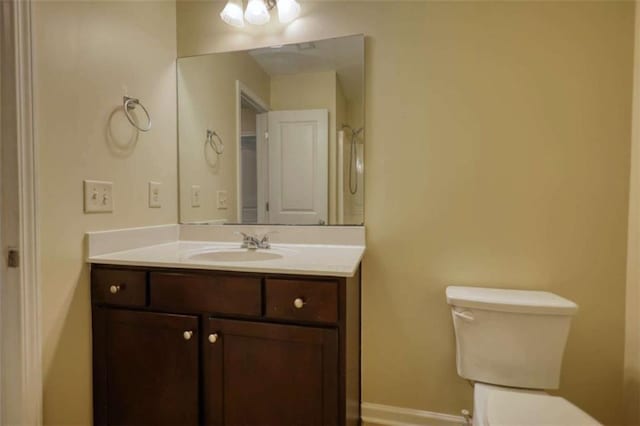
{"x": 195, "y": 195}
{"x": 98, "y": 196}
{"x": 221, "y": 200}
{"x": 155, "y": 199}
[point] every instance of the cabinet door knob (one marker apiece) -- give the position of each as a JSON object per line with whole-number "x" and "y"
{"x": 187, "y": 335}
{"x": 299, "y": 303}
{"x": 114, "y": 289}
{"x": 213, "y": 338}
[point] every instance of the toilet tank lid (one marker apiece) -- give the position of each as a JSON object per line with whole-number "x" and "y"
{"x": 518, "y": 301}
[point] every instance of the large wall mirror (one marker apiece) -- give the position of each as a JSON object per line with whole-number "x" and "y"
{"x": 273, "y": 135}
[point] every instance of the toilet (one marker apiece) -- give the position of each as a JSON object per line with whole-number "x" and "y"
{"x": 510, "y": 344}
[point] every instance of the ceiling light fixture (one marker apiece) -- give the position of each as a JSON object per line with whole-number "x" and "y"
{"x": 258, "y": 11}
{"x": 288, "y": 10}
{"x": 232, "y": 13}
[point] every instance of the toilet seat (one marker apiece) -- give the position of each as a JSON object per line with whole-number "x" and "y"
{"x": 507, "y": 407}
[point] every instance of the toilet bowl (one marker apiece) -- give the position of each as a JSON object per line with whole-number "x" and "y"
{"x": 510, "y": 343}
{"x": 501, "y": 406}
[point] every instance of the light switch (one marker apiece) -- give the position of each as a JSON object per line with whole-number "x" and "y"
{"x": 221, "y": 200}
{"x": 195, "y": 195}
{"x": 98, "y": 196}
{"x": 154, "y": 195}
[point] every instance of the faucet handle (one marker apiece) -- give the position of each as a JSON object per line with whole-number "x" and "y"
{"x": 244, "y": 235}
{"x": 264, "y": 239}
{"x": 264, "y": 242}
{"x": 265, "y": 235}
{"x": 248, "y": 241}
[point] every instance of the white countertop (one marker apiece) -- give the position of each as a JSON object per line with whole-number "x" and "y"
{"x": 299, "y": 259}
{"x": 316, "y": 250}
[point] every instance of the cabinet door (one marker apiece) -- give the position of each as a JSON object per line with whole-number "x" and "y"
{"x": 146, "y": 368}
{"x": 268, "y": 374}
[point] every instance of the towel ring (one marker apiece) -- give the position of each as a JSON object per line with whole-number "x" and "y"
{"x": 129, "y": 104}
{"x": 218, "y": 147}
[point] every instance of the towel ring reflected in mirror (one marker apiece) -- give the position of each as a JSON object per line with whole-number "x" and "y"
{"x": 130, "y": 104}
{"x": 218, "y": 145}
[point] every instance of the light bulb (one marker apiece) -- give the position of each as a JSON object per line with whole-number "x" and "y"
{"x": 232, "y": 13}
{"x": 257, "y": 13}
{"x": 288, "y": 10}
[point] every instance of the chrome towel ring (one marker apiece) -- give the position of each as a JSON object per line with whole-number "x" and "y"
{"x": 129, "y": 104}
{"x": 218, "y": 147}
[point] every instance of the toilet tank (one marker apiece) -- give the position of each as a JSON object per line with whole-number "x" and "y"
{"x": 510, "y": 337}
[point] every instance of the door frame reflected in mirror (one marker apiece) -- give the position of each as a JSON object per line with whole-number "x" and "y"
{"x": 244, "y": 92}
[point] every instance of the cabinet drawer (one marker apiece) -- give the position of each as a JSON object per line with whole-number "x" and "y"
{"x": 302, "y": 300}
{"x": 119, "y": 287}
{"x": 206, "y": 293}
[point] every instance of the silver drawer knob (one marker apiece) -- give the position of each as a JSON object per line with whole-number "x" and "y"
{"x": 114, "y": 289}
{"x": 213, "y": 338}
{"x": 299, "y": 303}
{"x": 187, "y": 335}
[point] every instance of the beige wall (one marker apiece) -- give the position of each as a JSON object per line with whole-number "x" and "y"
{"x": 341, "y": 117}
{"x": 342, "y": 114}
{"x": 350, "y": 113}
{"x": 354, "y": 203}
{"x": 316, "y": 90}
{"x": 84, "y": 54}
{"x": 632, "y": 341}
{"x": 356, "y": 117}
{"x": 208, "y": 100}
{"x": 497, "y": 153}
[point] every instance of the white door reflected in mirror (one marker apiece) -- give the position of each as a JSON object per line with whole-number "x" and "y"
{"x": 298, "y": 165}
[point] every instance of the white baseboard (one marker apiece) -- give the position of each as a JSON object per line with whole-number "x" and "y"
{"x": 379, "y": 414}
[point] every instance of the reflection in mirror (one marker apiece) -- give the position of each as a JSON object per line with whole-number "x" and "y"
{"x": 273, "y": 135}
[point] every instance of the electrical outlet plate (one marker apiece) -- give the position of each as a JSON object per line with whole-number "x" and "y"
{"x": 155, "y": 200}
{"x": 195, "y": 195}
{"x": 98, "y": 196}
{"x": 221, "y": 200}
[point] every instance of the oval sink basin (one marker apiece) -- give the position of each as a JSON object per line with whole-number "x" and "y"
{"x": 236, "y": 255}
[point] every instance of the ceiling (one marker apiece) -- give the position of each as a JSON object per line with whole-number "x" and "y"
{"x": 344, "y": 55}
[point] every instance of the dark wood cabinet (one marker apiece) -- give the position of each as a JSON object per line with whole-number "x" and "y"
{"x": 270, "y": 374}
{"x": 146, "y": 368}
{"x": 225, "y": 349}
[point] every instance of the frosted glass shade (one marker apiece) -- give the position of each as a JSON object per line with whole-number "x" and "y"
{"x": 257, "y": 13}
{"x": 232, "y": 13}
{"x": 288, "y": 10}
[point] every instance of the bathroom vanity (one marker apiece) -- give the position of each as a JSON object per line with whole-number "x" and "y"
{"x": 209, "y": 343}
{"x": 188, "y": 327}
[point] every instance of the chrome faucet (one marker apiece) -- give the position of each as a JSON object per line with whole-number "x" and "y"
{"x": 253, "y": 242}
